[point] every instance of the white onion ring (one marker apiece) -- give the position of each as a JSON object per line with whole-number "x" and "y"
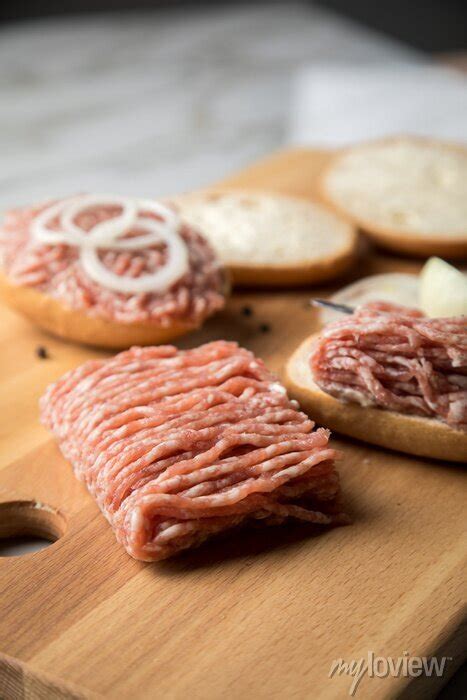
{"x": 106, "y": 231}
{"x": 160, "y": 280}
{"x": 157, "y": 231}
{"x": 108, "y": 234}
{"x": 47, "y": 236}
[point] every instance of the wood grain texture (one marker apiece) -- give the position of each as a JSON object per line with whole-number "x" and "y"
{"x": 261, "y": 614}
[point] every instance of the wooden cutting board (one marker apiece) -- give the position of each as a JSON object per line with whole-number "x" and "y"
{"x": 262, "y": 614}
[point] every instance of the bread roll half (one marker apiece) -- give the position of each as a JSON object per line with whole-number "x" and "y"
{"x": 408, "y": 194}
{"x": 271, "y": 240}
{"x": 77, "y": 326}
{"x": 415, "y": 435}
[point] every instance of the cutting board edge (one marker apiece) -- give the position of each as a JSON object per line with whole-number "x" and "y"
{"x": 21, "y": 680}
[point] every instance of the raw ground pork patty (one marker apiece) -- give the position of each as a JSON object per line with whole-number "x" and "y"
{"x": 178, "y": 445}
{"x": 396, "y": 358}
{"x": 56, "y": 270}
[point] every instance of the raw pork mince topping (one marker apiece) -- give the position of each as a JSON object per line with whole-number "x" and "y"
{"x": 56, "y": 270}
{"x": 395, "y": 358}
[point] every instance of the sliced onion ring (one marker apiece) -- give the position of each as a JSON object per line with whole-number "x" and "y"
{"x": 42, "y": 234}
{"x": 106, "y": 231}
{"x": 110, "y": 234}
{"x": 158, "y": 281}
{"x": 157, "y": 230}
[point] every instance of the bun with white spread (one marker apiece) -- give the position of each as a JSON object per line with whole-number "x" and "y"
{"x": 272, "y": 240}
{"x": 408, "y": 194}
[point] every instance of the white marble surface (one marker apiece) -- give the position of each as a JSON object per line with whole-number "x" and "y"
{"x": 154, "y": 103}
{"x": 422, "y": 98}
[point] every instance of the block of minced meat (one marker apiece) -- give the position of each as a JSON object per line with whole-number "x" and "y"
{"x": 176, "y": 446}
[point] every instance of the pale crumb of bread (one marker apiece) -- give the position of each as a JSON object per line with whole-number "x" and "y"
{"x": 262, "y": 229}
{"x": 404, "y": 184}
{"x": 395, "y": 287}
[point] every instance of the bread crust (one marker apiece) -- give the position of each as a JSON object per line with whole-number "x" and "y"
{"x": 415, "y": 435}
{"x": 397, "y": 240}
{"x": 307, "y": 272}
{"x": 289, "y": 276}
{"x": 75, "y": 325}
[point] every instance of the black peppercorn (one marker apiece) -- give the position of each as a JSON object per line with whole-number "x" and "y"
{"x": 42, "y": 352}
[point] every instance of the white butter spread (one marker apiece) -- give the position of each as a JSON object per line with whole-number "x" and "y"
{"x": 260, "y": 229}
{"x": 404, "y": 185}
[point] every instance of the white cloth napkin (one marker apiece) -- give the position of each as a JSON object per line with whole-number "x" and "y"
{"x": 334, "y": 105}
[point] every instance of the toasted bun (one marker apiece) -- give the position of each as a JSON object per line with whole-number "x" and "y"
{"x": 409, "y": 194}
{"x": 424, "y": 437}
{"x": 396, "y": 287}
{"x": 74, "y": 325}
{"x": 271, "y": 240}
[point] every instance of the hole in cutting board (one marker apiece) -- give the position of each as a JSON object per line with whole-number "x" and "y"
{"x": 28, "y": 526}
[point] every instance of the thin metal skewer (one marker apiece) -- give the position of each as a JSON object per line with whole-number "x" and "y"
{"x": 331, "y": 305}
